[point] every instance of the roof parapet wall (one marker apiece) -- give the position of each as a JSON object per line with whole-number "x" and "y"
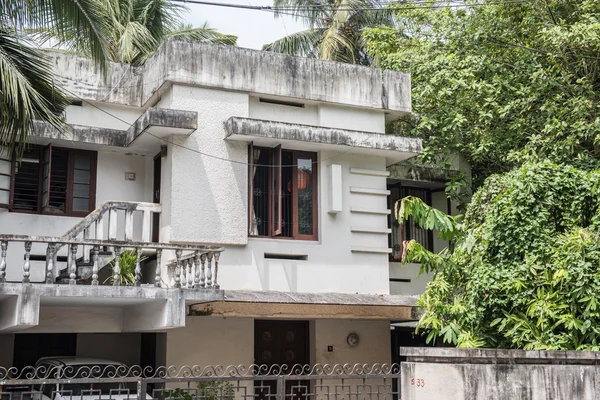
{"x": 238, "y": 69}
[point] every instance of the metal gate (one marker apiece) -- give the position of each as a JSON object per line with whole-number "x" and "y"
{"x": 255, "y": 382}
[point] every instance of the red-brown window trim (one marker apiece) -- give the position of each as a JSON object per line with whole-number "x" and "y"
{"x": 70, "y": 170}
{"x": 315, "y": 186}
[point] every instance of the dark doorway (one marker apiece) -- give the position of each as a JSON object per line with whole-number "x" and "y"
{"x": 156, "y": 197}
{"x": 31, "y": 347}
{"x": 282, "y": 343}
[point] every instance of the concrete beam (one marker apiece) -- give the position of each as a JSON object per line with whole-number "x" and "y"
{"x": 155, "y": 315}
{"x": 19, "y": 312}
{"x": 313, "y": 138}
{"x": 302, "y": 311}
{"x": 238, "y": 69}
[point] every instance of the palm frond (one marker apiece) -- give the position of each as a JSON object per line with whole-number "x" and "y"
{"x": 136, "y": 43}
{"x": 204, "y": 34}
{"x": 65, "y": 17}
{"x": 27, "y": 90}
{"x": 304, "y": 43}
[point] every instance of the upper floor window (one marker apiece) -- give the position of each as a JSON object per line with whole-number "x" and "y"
{"x": 409, "y": 230}
{"x": 282, "y": 198}
{"x": 49, "y": 180}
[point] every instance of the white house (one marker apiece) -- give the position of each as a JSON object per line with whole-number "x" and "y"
{"x": 253, "y": 188}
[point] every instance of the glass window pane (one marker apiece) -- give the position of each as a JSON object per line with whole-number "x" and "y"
{"x": 277, "y": 190}
{"x": 81, "y": 189}
{"x": 4, "y": 182}
{"x": 81, "y": 204}
{"x": 81, "y": 175}
{"x": 4, "y": 197}
{"x": 305, "y": 196}
{"x": 82, "y": 162}
{"x": 259, "y": 216}
{"x": 5, "y": 167}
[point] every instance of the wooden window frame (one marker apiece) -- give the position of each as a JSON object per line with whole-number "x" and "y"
{"x": 275, "y": 234}
{"x": 10, "y": 180}
{"x": 69, "y": 212}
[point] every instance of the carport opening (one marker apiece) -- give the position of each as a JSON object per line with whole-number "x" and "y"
{"x": 144, "y": 349}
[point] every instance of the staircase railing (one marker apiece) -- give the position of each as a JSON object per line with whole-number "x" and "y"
{"x": 196, "y": 266}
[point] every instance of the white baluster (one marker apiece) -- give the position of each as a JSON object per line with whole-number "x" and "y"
{"x": 50, "y": 262}
{"x": 138, "y": 267}
{"x": 190, "y": 265}
{"x": 158, "y": 268}
{"x": 178, "y": 268}
{"x": 196, "y": 269}
{"x": 73, "y": 265}
{"x": 117, "y": 266}
{"x": 84, "y": 248}
{"x": 215, "y": 284}
{"x": 209, "y": 270}
{"x": 202, "y": 275}
{"x": 95, "y": 265}
{"x": 27, "y": 265}
{"x": 3, "y": 246}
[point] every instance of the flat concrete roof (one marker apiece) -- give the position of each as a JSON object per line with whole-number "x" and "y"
{"x": 238, "y": 69}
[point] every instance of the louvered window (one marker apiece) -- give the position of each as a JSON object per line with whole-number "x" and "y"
{"x": 49, "y": 180}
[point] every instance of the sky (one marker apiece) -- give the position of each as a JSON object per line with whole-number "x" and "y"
{"x": 253, "y": 28}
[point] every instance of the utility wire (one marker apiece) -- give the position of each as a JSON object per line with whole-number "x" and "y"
{"x": 422, "y": 5}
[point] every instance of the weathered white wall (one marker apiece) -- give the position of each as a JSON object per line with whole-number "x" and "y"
{"x": 114, "y": 117}
{"x": 282, "y": 113}
{"x": 208, "y": 196}
{"x": 110, "y": 185}
{"x": 473, "y": 374}
{"x": 374, "y": 342}
{"x": 356, "y": 119}
{"x": 212, "y": 341}
{"x": 416, "y": 285}
{"x": 331, "y": 265}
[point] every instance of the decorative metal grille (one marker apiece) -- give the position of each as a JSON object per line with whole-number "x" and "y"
{"x": 254, "y": 382}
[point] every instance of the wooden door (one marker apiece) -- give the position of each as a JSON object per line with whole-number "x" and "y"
{"x": 30, "y": 347}
{"x": 156, "y": 197}
{"x": 282, "y": 343}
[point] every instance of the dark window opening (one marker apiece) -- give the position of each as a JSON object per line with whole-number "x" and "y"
{"x": 409, "y": 229}
{"x": 27, "y": 182}
{"x": 281, "y": 102}
{"x": 54, "y": 181}
{"x": 282, "y": 193}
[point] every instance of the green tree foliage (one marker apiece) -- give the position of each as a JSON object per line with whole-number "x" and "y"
{"x": 334, "y": 28}
{"x": 135, "y": 28}
{"x": 500, "y": 84}
{"x": 27, "y": 90}
{"x": 523, "y": 269}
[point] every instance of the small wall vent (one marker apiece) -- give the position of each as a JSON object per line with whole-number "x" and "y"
{"x": 281, "y": 102}
{"x": 296, "y": 257}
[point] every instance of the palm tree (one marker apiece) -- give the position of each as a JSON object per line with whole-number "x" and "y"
{"x": 137, "y": 27}
{"x": 27, "y": 91}
{"x": 335, "y": 28}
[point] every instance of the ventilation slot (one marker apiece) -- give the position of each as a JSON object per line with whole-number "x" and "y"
{"x": 296, "y": 257}
{"x": 281, "y": 102}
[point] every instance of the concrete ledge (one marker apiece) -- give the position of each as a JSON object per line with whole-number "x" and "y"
{"x": 498, "y": 356}
{"x": 144, "y": 308}
{"x": 316, "y": 138}
{"x": 163, "y": 121}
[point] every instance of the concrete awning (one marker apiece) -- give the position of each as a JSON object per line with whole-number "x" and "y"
{"x": 143, "y": 135}
{"x": 268, "y": 304}
{"x": 316, "y": 138}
